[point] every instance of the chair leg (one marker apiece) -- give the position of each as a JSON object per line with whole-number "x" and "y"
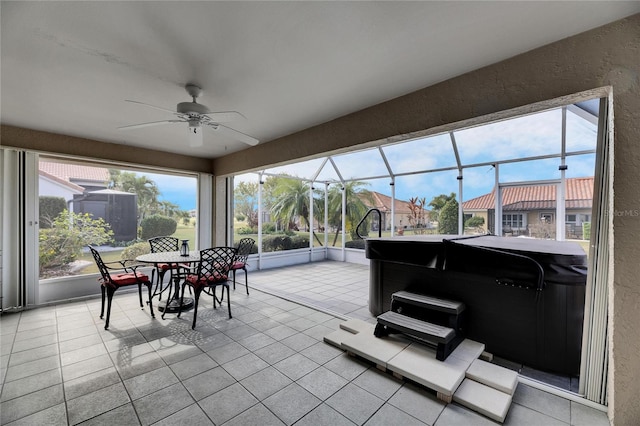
{"x": 110, "y": 293}
{"x": 228, "y": 298}
{"x": 140, "y": 294}
{"x": 234, "y": 279}
{"x": 102, "y": 309}
{"x": 246, "y": 279}
{"x": 196, "y": 299}
{"x": 215, "y": 299}
{"x": 181, "y": 301}
{"x": 153, "y": 277}
{"x": 170, "y": 285}
{"x": 159, "y": 283}
{"x": 149, "y": 285}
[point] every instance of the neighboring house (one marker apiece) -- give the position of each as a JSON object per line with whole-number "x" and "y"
{"x": 402, "y": 212}
{"x": 531, "y": 210}
{"x": 84, "y": 188}
{"x": 87, "y": 177}
{"x": 53, "y": 186}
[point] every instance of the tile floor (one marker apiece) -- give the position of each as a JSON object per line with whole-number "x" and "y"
{"x": 266, "y": 366}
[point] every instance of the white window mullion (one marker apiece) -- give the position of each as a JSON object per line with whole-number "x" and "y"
{"x": 31, "y": 228}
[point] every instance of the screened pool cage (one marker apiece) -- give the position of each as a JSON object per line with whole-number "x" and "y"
{"x": 529, "y": 176}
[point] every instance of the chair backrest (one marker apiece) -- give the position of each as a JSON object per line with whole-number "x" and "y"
{"x": 101, "y": 266}
{"x": 244, "y": 249}
{"x": 215, "y": 263}
{"x": 163, "y": 244}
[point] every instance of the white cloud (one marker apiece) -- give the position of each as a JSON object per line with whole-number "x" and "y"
{"x": 528, "y": 136}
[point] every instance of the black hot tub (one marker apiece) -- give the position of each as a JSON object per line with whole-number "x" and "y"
{"x": 525, "y": 297}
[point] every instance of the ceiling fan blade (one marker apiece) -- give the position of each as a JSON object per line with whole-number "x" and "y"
{"x": 242, "y": 137}
{"x": 152, "y": 123}
{"x": 151, "y": 106}
{"x": 225, "y": 116}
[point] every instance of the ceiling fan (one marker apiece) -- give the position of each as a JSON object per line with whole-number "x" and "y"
{"x": 197, "y": 116}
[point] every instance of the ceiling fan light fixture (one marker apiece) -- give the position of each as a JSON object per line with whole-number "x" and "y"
{"x": 195, "y": 133}
{"x": 196, "y": 116}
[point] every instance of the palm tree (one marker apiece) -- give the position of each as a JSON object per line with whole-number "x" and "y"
{"x": 167, "y": 208}
{"x": 291, "y": 201}
{"x": 356, "y": 208}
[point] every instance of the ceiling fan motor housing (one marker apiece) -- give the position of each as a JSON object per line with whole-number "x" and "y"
{"x": 192, "y": 108}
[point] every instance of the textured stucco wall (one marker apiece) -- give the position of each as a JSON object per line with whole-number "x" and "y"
{"x": 606, "y": 56}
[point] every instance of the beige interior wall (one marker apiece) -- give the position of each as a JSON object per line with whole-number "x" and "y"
{"x": 606, "y": 56}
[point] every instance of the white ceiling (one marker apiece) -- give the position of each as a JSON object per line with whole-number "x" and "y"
{"x": 67, "y": 67}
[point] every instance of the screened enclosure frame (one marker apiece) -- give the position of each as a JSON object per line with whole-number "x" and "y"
{"x": 387, "y": 170}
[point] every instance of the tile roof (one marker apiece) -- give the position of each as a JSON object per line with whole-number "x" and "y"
{"x": 67, "y": 172}
{"x": 62, "y": 182}
{"x": 383, "y": 203}
{"x": 537, "y": 197}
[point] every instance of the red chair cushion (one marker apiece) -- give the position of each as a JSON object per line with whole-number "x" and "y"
{"x": 206, "y": 280}
{"x": 238, "y": 265}
{"x": 128, "y": 279}
{"x": 167, "y": 266}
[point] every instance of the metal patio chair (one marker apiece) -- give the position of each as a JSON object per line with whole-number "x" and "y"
{"x": 112, "y": 280}
{"x": 212, "y": 272}
{"x": 240, "y": 260}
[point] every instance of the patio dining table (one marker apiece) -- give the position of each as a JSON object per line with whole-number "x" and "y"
{"x": 172, "y": 305}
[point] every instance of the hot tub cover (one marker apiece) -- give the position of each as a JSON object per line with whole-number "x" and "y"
{"x": 562, "y": 262}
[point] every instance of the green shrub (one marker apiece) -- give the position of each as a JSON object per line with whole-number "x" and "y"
{"x": 299, "y": 241}
{"x": 356, "y": 244}
{"x": 135, "y": 250}
{"x": 69, "y": 233}
{"x": 157, "y": 226}
{"x": 268, "y": 228}
{"x": 268, "y": 243}
{"x": 474, "y": 221}
{"x": 247, "y": 231}
{"x": 586, "y": 230}
{"x": 284, "y": 242}
{"x": 50, "y": 208}
{"x": 448, "y": 218}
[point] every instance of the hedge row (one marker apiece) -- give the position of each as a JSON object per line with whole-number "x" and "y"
{"x": 284, "y": 242}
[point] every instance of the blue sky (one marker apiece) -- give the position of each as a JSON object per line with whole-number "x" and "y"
{"x": 179, "y": 190}
{"x": 528, "y": 136}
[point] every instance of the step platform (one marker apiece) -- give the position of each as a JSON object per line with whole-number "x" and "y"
{"x": 493, "y": 375}
{"x": 483, "y": 399}
{"x": 417, "y": 362}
